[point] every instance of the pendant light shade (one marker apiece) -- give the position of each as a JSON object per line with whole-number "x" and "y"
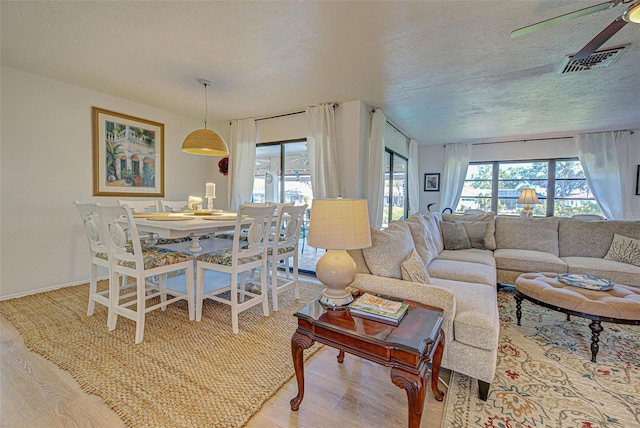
{"x": 205, "y": 142}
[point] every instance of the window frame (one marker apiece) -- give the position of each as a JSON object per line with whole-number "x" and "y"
{"x": 550, "y": 179}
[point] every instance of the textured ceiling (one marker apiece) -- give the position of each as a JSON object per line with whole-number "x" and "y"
{"x": 442, "y": 71}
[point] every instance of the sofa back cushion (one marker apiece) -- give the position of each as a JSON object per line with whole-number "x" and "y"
{"x": 580, "y": 238}
{"x": 522, "y": 233}
{"x": 389, "y": 247}
{"x": 361, "y": 263}
{"x": 423, "y": 238}
{"x": 488, "y": 218}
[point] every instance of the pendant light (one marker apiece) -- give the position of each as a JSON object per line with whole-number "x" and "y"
{"x": 205, "y": 141}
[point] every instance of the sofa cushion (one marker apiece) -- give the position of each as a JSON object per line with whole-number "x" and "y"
{"x": 621, "y": 273}
{"x": 488, "y": 218}
{"x": 423, "y": 239}
{"x": 529, "y": 261}
{"x": 454, "y": 236}
{"x": 472, "y": 255}
{"x": 462, "y": 271}
{"x": 625, "y": 250}
{"x": 361, "y": 263}
{"x": 432, "y": 222}
{"x": 521, "y": 233}
{"x": 579, "y": 238}
{"x": 413, "y": 269}
{"x": 471, "y": 326}
{"x": 389, "y": 248}
{"x": 476, "y": 232}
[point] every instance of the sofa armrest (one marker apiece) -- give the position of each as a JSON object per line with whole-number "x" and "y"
{"x": 422, "y": 293}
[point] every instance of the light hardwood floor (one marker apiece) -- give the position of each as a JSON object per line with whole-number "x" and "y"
{"x": 34, "y": 392}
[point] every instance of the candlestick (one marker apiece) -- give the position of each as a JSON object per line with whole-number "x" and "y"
{"x": 210, "y": 202}
{"x": 211, "y": 190}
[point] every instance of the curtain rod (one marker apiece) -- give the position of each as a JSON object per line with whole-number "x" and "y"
{"x": 335, "y": 105}
{"x": 393, "y": 126}
{"x": 524, "y": 140}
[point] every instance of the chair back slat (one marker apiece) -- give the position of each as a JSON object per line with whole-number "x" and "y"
{"x": 117, "y": 222}
{"x": 89, "y": 215}
{"x": 290, "y": 219}
{"x": 257, "y": 232}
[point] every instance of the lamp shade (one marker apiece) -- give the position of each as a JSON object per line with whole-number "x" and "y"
{"x": 339, "y": 224}
{"x": 528, "y": 196}
{"x": 632, "y": 14}
{"x": 205, "y": 142}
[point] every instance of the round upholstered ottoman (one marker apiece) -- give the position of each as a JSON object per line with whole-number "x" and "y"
{"x": 619, "y": 305}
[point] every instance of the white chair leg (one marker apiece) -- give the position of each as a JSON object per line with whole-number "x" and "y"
{"x": 234, "y": 302}
{"x": 295, "y": 276}
{"x": 191, "y": 294}
{"x": 163, "y": 288}
{"x": 274, "y": 285}
{"x": 114, "y": 300}
{"x": 199, "y": 292}
{"x": 140, "y": 309}
{"x": 93, "y": 288}
{"x": 263, "y": 290}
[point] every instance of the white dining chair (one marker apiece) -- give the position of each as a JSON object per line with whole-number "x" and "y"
{"x": 173, "y": 206}
{"x": 283, "y": 247}
{"x": 137, "y": 263}
{"x": 138, "y": 206}
{"x": 98, "y": 256}
{"x": 236, "y": 262}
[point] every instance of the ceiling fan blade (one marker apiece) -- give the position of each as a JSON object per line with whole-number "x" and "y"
{"x": 563, "y": 18}
{"x": 600, "y": 39}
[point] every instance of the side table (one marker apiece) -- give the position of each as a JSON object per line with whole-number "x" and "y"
{"x": 406, "y": 348}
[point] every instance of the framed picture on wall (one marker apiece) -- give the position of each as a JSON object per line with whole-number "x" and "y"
{"x": 432, "y": 182}
{"x": 638, "y": 181}
{"x": 128, "y": 155}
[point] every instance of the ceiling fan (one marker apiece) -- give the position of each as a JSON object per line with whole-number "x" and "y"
{"x": 630, "y": 14}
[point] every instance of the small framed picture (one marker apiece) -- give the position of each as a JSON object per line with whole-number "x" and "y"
{"x": 638, "y": 181}
{"x": 432, "y": 182}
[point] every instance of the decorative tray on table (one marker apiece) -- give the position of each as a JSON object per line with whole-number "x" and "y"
{"x": 586, "y": 281}
{"x": 171, "y": 218}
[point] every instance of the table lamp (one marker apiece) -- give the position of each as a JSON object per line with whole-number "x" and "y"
{"x": 527, "y": 197}
{"x": 338, "y": 225}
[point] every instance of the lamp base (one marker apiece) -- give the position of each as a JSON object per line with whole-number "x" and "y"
{"x": 527, "y": 211}
{"x": 336, "y": 270}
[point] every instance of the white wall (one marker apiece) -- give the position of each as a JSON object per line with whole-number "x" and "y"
{"x": 431, "y": 159}
{"x": 46, "y": 164}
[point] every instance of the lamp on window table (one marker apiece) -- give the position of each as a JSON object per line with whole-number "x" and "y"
{"x": 338, "y": 225}
{"x": 527, "y": 197}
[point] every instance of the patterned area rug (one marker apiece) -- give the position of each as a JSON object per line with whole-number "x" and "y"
{"x": 184, "y": 373}
{"x": 545, "y": 377}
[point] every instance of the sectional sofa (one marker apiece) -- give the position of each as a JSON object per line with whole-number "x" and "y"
{"x": 456, "y": 262}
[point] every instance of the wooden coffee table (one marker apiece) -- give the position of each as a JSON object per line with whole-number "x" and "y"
{"x": 406, "y": 348}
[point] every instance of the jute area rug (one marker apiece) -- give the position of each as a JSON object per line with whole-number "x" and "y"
{"x": 184, "y": 373}
{"x": 545, "y": 377}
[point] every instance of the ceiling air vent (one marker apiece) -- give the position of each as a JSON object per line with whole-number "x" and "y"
{"x": 598, "y": 59}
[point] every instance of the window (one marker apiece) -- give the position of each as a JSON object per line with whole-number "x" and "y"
{"x": 395, "y": 186}
{"x": 289, "y": 184}
{"x": 497, "y": 185}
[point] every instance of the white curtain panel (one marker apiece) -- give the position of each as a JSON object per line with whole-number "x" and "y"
{"x": 605, "y": 160}
{"x": 375, "y": 169}
{"x": 414, "y": 178}
{"x": 323, "y": 151}
{"x": 456, "y": 161}
{"x": 242, "y": 160}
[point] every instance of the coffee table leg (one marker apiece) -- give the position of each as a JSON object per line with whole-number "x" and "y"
{"x": 414, "y": 386}
{"x": 340, "y": 356}
{"x": 518, "y": 307}
{"x": 596, "y": 329}
{"x": 435, "y": 369}
{"x": 299, "y": 343}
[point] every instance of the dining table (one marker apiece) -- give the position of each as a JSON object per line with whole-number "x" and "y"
{"x": 182, "y": 224}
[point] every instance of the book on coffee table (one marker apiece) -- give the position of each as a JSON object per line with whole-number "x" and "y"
{"x": 379, "y": 309}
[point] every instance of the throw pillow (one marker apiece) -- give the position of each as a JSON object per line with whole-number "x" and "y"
{"x": 389, "y": 248}
{"x": 413, "y": 269}
{"x": 476, "y": 232}
{"x": 454, "y": 236}
{"x": 625, "y": 250}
